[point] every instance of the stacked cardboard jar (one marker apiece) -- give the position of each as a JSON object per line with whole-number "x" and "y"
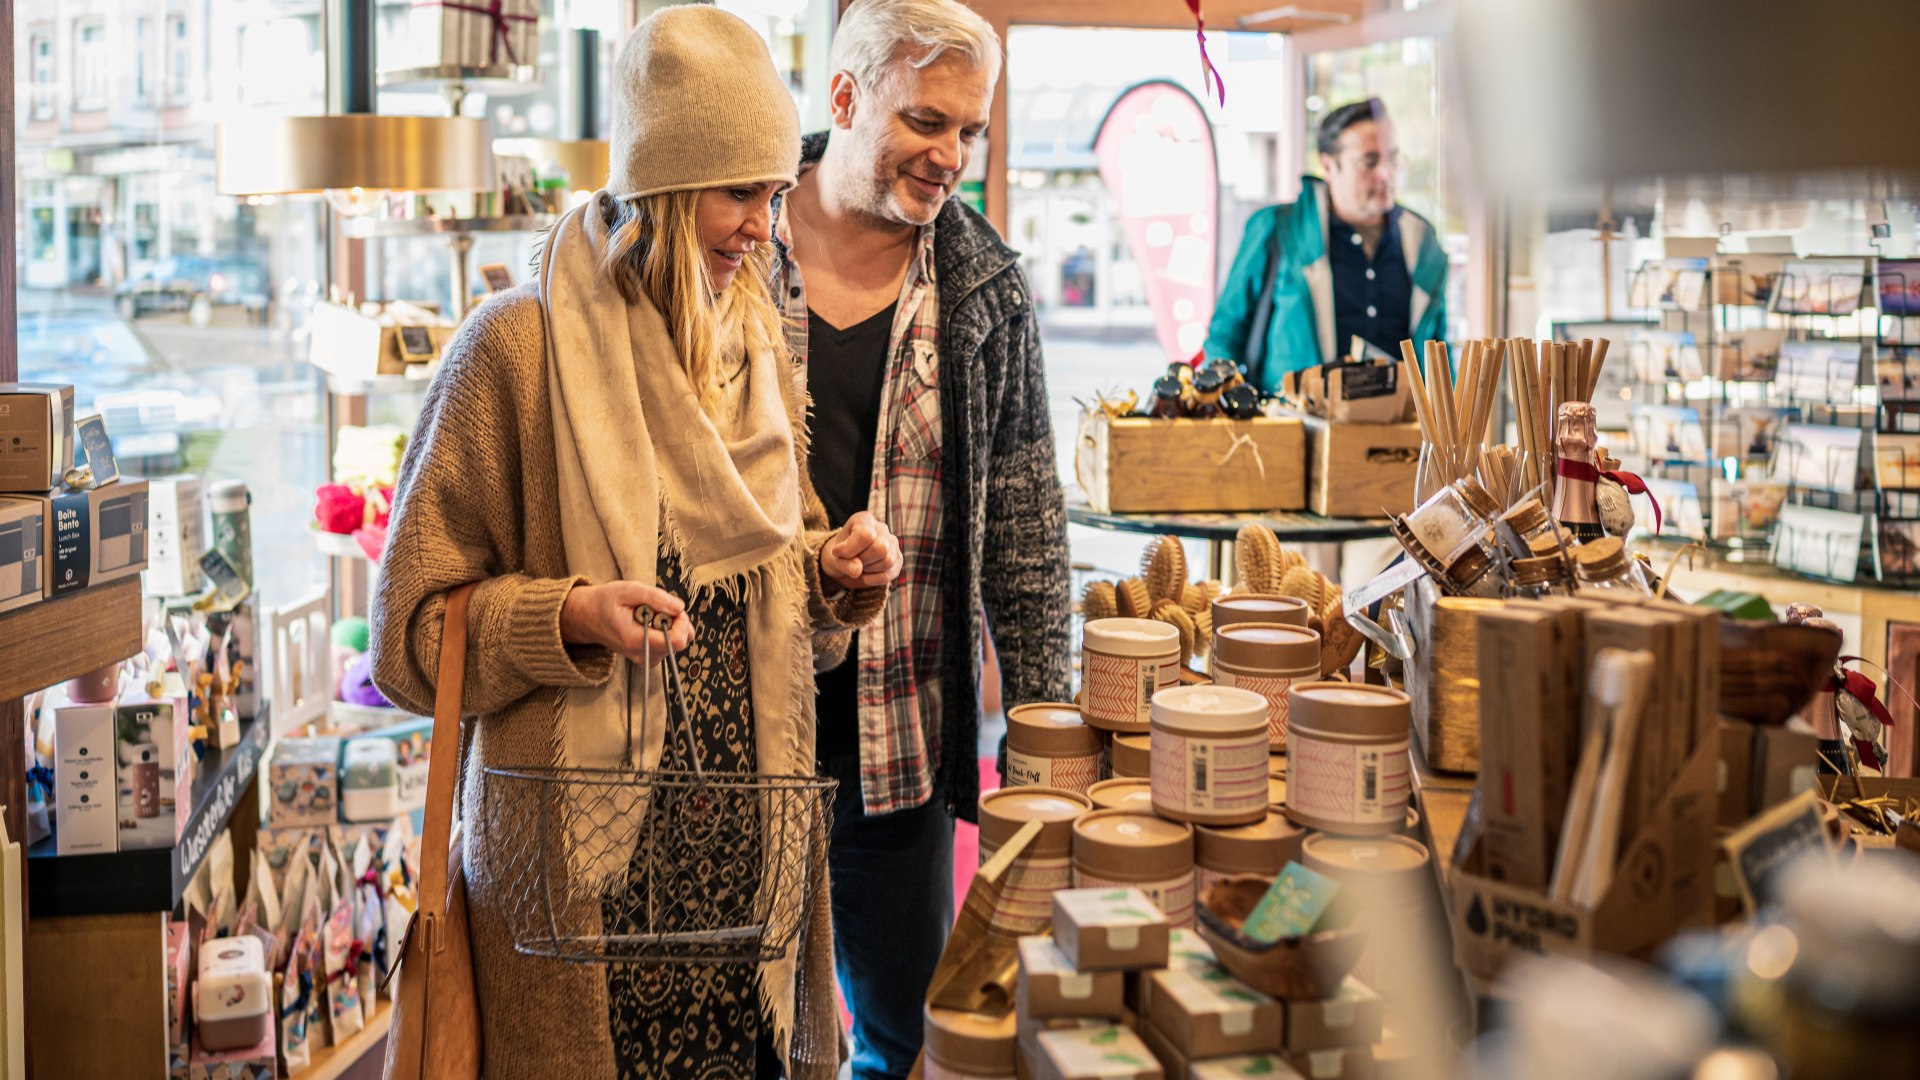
{"x": 1045, "y": 867}
{"x": 1121, "y": 848}
{"x": 1266, "y": 658}
{"x": 1049, "y": 745}
{"x": 1210, "y": 755}
{"x": 1123, "y": 663}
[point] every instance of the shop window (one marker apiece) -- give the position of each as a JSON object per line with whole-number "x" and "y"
{"x": 91, "y": 65}
{"x": 178, "y": 313}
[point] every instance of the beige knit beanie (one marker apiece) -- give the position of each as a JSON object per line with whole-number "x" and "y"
{"x": 698, "y": 104}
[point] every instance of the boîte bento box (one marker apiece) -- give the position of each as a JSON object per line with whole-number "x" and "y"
{"x": 1137, "y": 465}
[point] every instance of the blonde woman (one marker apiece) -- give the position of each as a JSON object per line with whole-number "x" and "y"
{"x": 629, "y": 433}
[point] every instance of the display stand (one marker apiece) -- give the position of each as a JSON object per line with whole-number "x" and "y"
{"x": 1219, "y": 530}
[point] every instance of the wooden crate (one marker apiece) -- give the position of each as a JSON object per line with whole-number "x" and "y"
{"x": 1138, "y": 465}
{"x": 1361, "y": 470}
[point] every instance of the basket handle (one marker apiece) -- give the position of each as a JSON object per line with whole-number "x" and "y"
{"x": 674, "y": 693}
{"x": 436, "y": 834}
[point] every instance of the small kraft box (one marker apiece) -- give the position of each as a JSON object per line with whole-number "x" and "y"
{"x": 1185, "y": 949}
{"x": 1141, "y": 465}
{"x": 155, "y": 754}
{"x": 23, "y": 578}
{"x": 176, "y": 535}
{"x": 1251, "y": 1066}
{"x": 1360, "y": 470}
{"x": 1353, "y": 1017}
{"x": 304, "y": 781}
{"x": 1207, "y": 1013}
{"x": 36, "y": 436}
{"x": 84, "y": 780}
{"x": 473, "y": 35}
{"x": 1346, "y": 1063}
{"x": 94, "y": 536}
{"x": 1663, "y": 882}
{"x": 1785, "y": 763}
{"x": 1102, "y": 1053}
{"x": 1109, "y": 929}
{"x": 1052, "y": 987}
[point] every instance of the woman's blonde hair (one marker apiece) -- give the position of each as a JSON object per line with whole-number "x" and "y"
{"x": 654, "y": 250}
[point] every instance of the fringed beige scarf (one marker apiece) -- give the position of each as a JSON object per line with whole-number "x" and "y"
{"x": 640, "y": 460}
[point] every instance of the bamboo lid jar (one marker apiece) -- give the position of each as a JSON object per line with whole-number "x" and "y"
{"x": 1123, "y": 663}
{"x": 1050, "y": 745}
{"x": 1126, "y": 849}
{"x": 1210, "y": 755}
{"x": 1348, "y": 769}
{"x": 1266, "y": 658}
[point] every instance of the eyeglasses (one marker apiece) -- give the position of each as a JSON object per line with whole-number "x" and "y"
{"x": 1376, "y": 162}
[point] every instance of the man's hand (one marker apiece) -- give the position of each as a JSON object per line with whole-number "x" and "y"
{"x": 862, "y": 555}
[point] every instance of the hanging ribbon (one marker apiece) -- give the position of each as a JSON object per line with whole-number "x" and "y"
{"x": 1585, "y": 470}
{"x": 1209, "y": 75}
{"x": 502, "y": 35}
{"x": 1863, "y": 690}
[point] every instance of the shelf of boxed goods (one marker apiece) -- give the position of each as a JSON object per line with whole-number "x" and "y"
{"x": 336, "y": 1062}
{"x": 154, "y": 879}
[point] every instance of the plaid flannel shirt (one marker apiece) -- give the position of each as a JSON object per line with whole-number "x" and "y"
{"x": 899, "y": 690}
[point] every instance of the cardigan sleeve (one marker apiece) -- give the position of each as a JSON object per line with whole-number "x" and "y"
{"x": 1025, "y": 582}
{"x": 458, "y": 518}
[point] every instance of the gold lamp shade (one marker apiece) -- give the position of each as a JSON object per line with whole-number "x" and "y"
{"x": 286, "y": 155}
{"x": 586, "y": 160}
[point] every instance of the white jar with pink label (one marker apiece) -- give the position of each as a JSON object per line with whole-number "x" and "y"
{"x": 1209, "y": 755}
{"x": 1266, "y": 658}
{"x": 1348, "y": 770}
{"x": 1123, "y": 663}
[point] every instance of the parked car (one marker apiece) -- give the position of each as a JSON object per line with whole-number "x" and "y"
{"x": 149, "y": 404}
{"x": 174, "y": 284}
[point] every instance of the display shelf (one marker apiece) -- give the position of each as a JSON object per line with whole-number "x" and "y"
{"x": 68, "y": 636}
{"x": 335, "y": 545}
{"x": 335, "y": 1062}
{"x": 391, "y": 228}
{"x": 152, "y": 879}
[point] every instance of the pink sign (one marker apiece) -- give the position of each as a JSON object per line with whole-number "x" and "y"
{"x": 1156, "y": 154}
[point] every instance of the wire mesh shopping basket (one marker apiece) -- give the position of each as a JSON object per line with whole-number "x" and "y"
{"x": 655, "y": 866}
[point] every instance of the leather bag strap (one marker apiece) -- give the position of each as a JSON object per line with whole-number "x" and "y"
{"x": 436, "y": 835}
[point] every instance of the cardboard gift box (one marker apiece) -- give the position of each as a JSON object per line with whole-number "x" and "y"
{"x": 1350, "y": 1063}
{"x": 1050, "y": 986}
{"x": 1353, "y": 1017}
{"x": 473, "y": 35}
{"x": 1663, "y": 883}
{"x": 156, "y": 766}
{"x": 1785, "y": 763}
{"x": 86, "y": 788}
{"x": 1110, "y": 929}
{"x": 1139, "y": 465}
{"x": 92, "y": 536}
{"x": 1370, "y": 392}
{"x": 303, "y": 779}
{"x": 1251, "y": 1066}
{"x": 1102, "y": 1053}
{"x": 23, "y": 570}
{"x": 1185, "y": 949}
{"x": 176, "y": 535}
{"x": 36, "y": 436}
{"x": 1360, "y": 470}
{"x": 1206, "y": 1013}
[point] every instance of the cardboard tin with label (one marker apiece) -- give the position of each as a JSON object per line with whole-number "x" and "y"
{"x": 1051, "y": 987}
{"x": 1110, "y": 929}
{"x": 1046, "y": 865}
{"x": 1107, "y": 1053}
{"x": 1210, "y": 755}
{"x": 1124, "y": 663}
{"x": 1238, "y": 608}
{"x": 1353, "y": 1017}
{"x": 36, "y": 436}
{"x": 961, "y": 1045}
{"x": 23, "y": 569}
{"x": 1264, "y": 847}
{"x": 1206, "y": 1012}
{"x": 1266, "y": 658}
{"x": 1348, "y": 766}
{"x": 1121, "y": 849}
{"x": 1049, "y": 745}
{"x": 1130, "y": 756}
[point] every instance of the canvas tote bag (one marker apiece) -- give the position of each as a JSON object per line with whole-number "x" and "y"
{"x": 436, "y": 1013}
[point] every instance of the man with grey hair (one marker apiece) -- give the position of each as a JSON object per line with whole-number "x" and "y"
{"x": 922, "y": 356}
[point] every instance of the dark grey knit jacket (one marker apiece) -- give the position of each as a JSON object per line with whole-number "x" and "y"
{"x": 1005, "y": 520}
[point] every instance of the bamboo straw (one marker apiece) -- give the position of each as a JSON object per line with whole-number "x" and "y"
{"x": 1593, "y": 375}
{"x": 1437, "y": 354}
{"x": 1581, "y": 368}
{"x": 1520, "y": 390}
{"x": 1422, "y": 410}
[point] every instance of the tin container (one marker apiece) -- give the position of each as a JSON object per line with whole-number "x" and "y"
{"x": 1120, "y": 848}
{"x": 1133, "y": 793}
{"x": 1266, "y": 658}
{"x": 1049, "y": 745}
{"x": 1210, "y": 755}
{"x": 1124, "y": 662}
{"x": 965, "y": 1046}
{"x": 1259, "y": 608}
{"x": 1348, "y": 770}
{"x": 1130, "y": 755}
{"x": 1026, "y": 894}
{"x": 1388, "y": 880}
{"x": 1265, "y": 848}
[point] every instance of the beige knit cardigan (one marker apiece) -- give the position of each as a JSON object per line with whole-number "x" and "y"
{"x": 476, "y": 502}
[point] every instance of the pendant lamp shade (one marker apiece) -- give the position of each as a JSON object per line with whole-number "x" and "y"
{"x": 286, "y": 155}
{"x": 585, "y": 160}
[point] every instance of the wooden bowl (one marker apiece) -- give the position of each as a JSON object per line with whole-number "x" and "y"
{"x": 1311, "y": 967}
{"x": 1769, "y": 671}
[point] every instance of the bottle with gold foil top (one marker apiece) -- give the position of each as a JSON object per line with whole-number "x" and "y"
{"x": 1575, "y": 504}
{"x": 1605, "y": 564}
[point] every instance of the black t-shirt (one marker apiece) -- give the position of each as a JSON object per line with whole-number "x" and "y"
{"x": 846, "y": 376}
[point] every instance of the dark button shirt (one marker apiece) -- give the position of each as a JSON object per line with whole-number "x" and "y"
{"x": 846, "y": 377}
{"x": 1371, "y": 297}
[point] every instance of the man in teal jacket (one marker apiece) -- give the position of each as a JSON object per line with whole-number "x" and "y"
{"x": 1344, "y": 260}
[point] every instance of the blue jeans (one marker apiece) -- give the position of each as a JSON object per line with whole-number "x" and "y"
{"x": 892, "y": 909}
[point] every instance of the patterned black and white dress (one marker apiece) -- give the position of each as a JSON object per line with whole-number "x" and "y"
{"x": 701, "y": 1022}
